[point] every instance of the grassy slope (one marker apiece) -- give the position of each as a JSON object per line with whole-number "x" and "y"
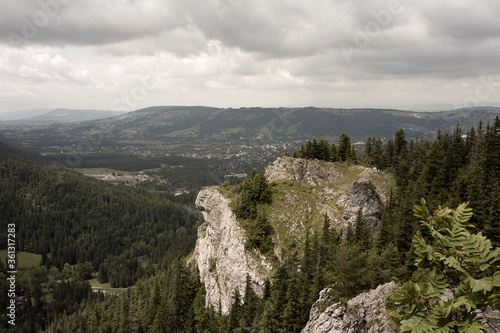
{"x": 24, "y": 260}
{"x": 297, "y": 208}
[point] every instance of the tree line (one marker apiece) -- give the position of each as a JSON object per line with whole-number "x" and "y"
{"x": 81, "y": 225}
{"x": 447, "y": 170}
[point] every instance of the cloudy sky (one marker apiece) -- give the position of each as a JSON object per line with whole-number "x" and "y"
{"x": 129, "y": 54}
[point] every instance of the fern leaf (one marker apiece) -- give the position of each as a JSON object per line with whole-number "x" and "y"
{"x": 417, "y": 324}
{"x": 472, "y": 326}
{"x": 484, "y": 284}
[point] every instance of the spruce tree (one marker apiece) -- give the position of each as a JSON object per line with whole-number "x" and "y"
{"x": 323, "y": 153}
{"x": 344, "y": 148}
{"x": 362, "y": 233}
{"x": 333, "y": 153}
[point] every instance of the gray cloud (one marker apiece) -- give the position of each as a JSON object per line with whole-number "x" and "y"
{"x": 205, "y": 47}
{"x": 89, "y": 22}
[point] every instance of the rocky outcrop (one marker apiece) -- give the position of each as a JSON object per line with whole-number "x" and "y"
{"x": 363, "y": 198}
{"x": 305, "y": 192}
{"x": 363, "y": 313}
{"x": 337, "y": 190}
{"x": 301, "y": 171}
{"x": 491, "y": 320}
{"x": 367, "y": 313}
{"x": 220, "y": 253}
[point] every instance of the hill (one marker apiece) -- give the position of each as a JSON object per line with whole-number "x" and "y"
{"x": 157, "y": 128}
{"x": 22, "y": 114}
{"x": 272, "y": 244}
{"x": 207, "y": 123}
{"x": 10, "y": 147}
{"x": 61, "y": 116}
{"x": 304, "y": 194}
{"x": 73, "y": 219}
{"x": 233, "y": 141}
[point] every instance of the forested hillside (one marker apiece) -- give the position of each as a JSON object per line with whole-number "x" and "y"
{"x": 446, "y": 170}
{"x": 450, "y": 169}
{"x": 81, "y": 225}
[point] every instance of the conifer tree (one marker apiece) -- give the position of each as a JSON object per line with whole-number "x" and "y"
{"x": 376, "y": 152}
{"x": 333, "y": 153}
{"x": 291, "y": 320}
{"x": 324, "y": 153}
{"x": 344, "y": 148}
{"x": 366, "y": 157}
{"x": 250, "y": 304}
{"x": 236, "y": 312}
{"x": 349, "y": 270}
{"x": 362, "y": 233}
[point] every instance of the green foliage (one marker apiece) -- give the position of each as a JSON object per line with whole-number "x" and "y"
{"x": 252, "y": 193}
{"x": 81, "y": 225}
{"x": 463, "y": 264}
{"x": 212, "y": 264}
{"x": 322, "y": 150}
{"x": 77, "y": 219}
{"x": 258, "y": 232}
{"x": 68, "y": 218}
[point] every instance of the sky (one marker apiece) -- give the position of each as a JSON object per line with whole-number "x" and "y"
{"x": 124, "y": 55}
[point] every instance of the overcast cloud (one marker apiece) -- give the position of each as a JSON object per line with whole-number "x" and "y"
{"x": 128, "y": 54}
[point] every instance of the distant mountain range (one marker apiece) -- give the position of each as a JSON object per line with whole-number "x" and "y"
{"x": 207, "y": 123}
{"x": 23, "y": 114}
{"x": 191, "y": 128}
{"x": 59, "y": 116}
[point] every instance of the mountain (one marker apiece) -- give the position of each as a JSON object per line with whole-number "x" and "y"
{"x": 270, "y": 245}
{"x": 304, "y": 192}
{"x": 59, "y": 116}
{"x": 71, "y": 219}
{"x": 9, "y": 147}
{"x": 200, "y": 131}
{"x": 222, "y": 124}
{"x": 23, "y": 114}
{"x": 277, "y": 123}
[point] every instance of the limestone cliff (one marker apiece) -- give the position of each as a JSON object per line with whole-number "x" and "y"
{"x": 363, "y": 313}
{"x": 303, "y": 193}
{"x": 307, "y": 190}
{"x": 220, "y": 253}
{"x": 367, "y": 313}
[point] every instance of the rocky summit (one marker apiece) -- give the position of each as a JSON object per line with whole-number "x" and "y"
{"x": 220, "y": 253}
{"x": 363, "y": 313}
{"x": 304, "y": 192}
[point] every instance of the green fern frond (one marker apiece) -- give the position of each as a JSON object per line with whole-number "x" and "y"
{"x": 465, "y": 264}
{"x": 417, "y": 324}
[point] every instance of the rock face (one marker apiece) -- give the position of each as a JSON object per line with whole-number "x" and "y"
{"x": 305, "y": 192}
{"x": 363, "y": 313}
{"x": 491, "y": 320}
{"x": 367, "y": 313}
{"x": 363, "y": 198}
{"x": 220, "y": 253}
{"x": 339, "y": 191}
{"x": 301, "y": 171}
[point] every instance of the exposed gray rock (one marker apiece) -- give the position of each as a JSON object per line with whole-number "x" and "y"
{"x": 343, "y": 201}
{"x": 363, "y": 313}
{"x": 326, "y": 188}
{"x": 302, "y": 171}
{"x": 220, "y": 253}
{"x": 491, "y": 319}
{"x": 367, "y": 313}
{"x": 363, "y": 197}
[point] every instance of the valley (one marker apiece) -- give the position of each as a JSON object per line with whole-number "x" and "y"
{"x": 167, "y": 206}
